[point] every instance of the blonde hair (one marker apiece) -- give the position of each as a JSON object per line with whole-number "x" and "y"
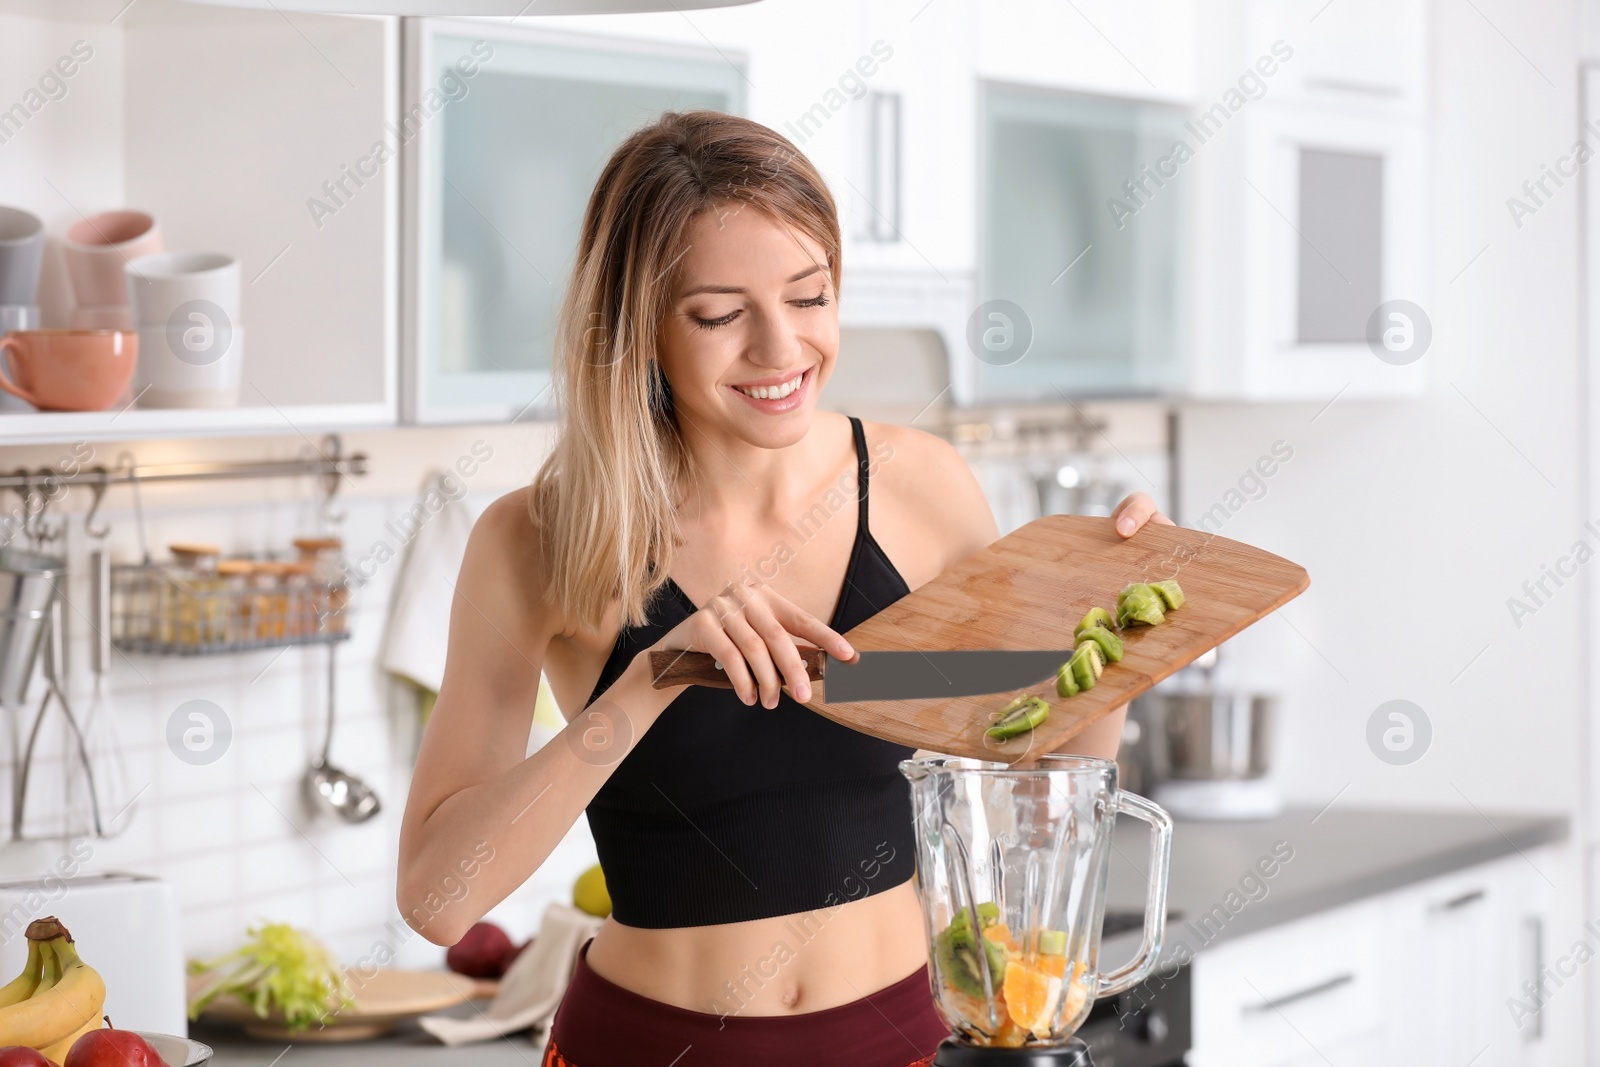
{"x": 605, "y": 500}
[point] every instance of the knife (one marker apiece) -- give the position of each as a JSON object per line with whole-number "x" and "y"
{"x": 885, "y": 675}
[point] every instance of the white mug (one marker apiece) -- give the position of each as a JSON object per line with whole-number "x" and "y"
{"x": 183, "y": 288}
{"x": 197, "y": 367}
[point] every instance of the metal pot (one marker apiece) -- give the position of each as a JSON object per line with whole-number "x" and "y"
{"x": 28, "y": 582}
{"x": 1212, "y": 736}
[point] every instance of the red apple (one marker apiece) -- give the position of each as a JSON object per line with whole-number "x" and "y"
{"x": 22, "y": 1056}
{"x": 112, "y": 1048}
{"x": 483, "y": 952}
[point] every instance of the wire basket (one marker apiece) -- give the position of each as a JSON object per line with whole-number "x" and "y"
{"x": 164, "y": 609}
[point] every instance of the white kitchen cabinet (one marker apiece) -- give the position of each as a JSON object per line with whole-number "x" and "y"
{"x": 1311, "y": 158}
{"x": 229, "y": 126}
{"x": 1273, "y": 998}
{"x": 1082, "y": 245}
{"x": 499, "y": 178}
{"x": 1367, "y": 55}
{"x": 1419, "y": 976}
{"x": 1463, "y": 946}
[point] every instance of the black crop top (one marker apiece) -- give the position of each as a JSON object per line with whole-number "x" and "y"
{"x": 725, "y": 812}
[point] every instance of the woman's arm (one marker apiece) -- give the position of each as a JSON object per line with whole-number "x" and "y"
{"x": 480, "y": 817}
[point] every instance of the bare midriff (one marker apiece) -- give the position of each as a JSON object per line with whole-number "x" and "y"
{"x": 785, "y": 965}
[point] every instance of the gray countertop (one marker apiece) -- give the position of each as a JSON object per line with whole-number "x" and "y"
{"x": 1338, "y": 856}
{"x": 1335, "y": 857}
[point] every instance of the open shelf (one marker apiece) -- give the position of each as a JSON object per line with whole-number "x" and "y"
{"x": 41, "y": 427}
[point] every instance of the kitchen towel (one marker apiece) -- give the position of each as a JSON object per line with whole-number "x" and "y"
{"x": 532, "y": 989}
{"x": 419, "y": 615}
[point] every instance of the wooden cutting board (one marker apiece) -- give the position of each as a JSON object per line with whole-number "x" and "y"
{"x": 382, "y": 999}
{"x": 1028, "y": 590}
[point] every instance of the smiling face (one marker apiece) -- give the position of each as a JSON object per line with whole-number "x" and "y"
{"x": 753, "y": 329}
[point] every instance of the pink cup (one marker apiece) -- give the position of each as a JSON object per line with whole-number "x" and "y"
{"x": 68, "y": 370}
{"x": 97, "y": 248}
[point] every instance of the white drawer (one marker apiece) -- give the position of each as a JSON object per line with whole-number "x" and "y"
{"x": 1274, "y": 997}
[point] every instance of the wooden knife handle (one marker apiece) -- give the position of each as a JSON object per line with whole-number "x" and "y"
{"x": 668, "y": 668}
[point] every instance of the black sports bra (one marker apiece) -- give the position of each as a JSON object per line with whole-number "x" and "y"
{"x": 724, "y": 812}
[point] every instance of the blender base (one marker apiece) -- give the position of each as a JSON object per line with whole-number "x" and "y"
{"x": 1073, "y": 1054}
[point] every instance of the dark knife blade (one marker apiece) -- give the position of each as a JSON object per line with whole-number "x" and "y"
{"x": 931, "y": 675}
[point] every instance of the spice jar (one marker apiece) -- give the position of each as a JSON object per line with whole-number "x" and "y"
{"x": 269, "y": 603}
{"x": 191, "y": 607}
{"x": 299, "y": 613}
{"x": 329, "y": 592}
{"x": 239, "y": 616}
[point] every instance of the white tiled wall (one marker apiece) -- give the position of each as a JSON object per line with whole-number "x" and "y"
{"x": 235, "y": 837}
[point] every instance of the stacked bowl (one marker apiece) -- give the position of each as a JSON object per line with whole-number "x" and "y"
{"x": 96, "y": 250}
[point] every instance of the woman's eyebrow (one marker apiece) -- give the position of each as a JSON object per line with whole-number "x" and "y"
{"x": 808, "y": 272}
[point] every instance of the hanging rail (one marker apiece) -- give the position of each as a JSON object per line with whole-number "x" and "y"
{"x": 38, "y": 488}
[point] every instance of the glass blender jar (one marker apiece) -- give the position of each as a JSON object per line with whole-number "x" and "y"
{"x": 1011, "y": 869}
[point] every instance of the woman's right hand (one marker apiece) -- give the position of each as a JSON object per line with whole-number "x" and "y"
{"x": 752, "y": 632}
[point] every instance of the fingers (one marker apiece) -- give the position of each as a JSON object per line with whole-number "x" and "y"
{"x": 802, "y": 623}
{"x": 756, "y": 654}
{"x": 719, "y": 644}
{"x": 1135, "y": 510}
{"x": 780, "y": 645}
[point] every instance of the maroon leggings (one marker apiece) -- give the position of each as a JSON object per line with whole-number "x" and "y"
{"x": 600, "y": 1024}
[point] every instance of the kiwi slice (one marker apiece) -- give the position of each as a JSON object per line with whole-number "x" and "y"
{"x": 1086, "y": 664}
{"x": 1053, "y": 942}
{"x": 1110, "y": 644}
{"x": 1170, "y": 593}
{"x": 1097, "y": 618}
{"x": 1138, "y": 602}
{"x": 956, "y": 957}
{"x": 1066, "y": 684}
{"x": 1018, "y": 717}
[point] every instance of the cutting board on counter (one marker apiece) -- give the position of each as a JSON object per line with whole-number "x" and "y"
{"x": 1028, "y": 590}
{"x": 383, "y": 999}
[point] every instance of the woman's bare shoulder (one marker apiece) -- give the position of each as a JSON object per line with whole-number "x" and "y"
{"x": 505, "y": 555}
{"x": 927, "y": 479}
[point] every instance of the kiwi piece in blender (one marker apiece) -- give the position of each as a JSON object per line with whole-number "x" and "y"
{"x": 956, "y": 956}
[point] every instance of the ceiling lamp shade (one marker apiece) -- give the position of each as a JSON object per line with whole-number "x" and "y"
{"x": 505, "y": 8}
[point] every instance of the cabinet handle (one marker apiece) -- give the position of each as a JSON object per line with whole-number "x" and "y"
{"x": 1340, "y": 85}
{"x": 1454, "y": 903}
{"x": 1533, "y": 940}
{"x": 1300, "y": 994}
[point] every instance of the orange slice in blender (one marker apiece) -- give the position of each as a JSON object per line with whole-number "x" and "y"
{"x": 1000, "y": 934}
{"x": 1032, "y": 995}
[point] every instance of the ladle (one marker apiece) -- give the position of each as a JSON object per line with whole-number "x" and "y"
{"x": 331, "y": 789}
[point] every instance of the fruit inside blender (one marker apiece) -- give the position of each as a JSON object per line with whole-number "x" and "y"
{"x": 1039, "y": 995}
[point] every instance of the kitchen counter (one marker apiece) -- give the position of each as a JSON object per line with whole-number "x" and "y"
{"x": 1337, "y": 857}
{"x": 408, "y": 1046}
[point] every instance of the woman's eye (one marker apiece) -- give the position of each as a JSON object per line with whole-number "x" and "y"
{"x": 712, "y": 324}
{"x": 818, "y": 301}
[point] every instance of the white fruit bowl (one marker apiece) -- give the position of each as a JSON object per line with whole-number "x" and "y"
{"x": 178, "y": 1051}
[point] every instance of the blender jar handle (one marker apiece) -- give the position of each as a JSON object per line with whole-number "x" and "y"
{"x": 1155, "y": 906}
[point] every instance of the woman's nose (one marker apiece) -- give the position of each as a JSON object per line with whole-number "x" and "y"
{"x": 775, "y": 341}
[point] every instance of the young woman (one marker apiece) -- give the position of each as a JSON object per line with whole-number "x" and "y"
{"x": 759, "y": 856}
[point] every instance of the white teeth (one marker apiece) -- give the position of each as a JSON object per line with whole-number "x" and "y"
{"x": 773, "y": 392}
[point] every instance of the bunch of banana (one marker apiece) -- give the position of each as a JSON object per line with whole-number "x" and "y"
{"x": 56, "y": 999}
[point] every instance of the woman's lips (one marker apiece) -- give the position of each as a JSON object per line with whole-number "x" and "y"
{"x": 781, "y": 404}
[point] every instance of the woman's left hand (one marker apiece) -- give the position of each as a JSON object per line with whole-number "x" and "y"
{"x": 1135, "y": 510}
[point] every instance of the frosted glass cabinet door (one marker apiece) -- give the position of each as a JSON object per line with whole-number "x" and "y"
{"x": 1083, "y": 233}
{"x": 502, "y": 167}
